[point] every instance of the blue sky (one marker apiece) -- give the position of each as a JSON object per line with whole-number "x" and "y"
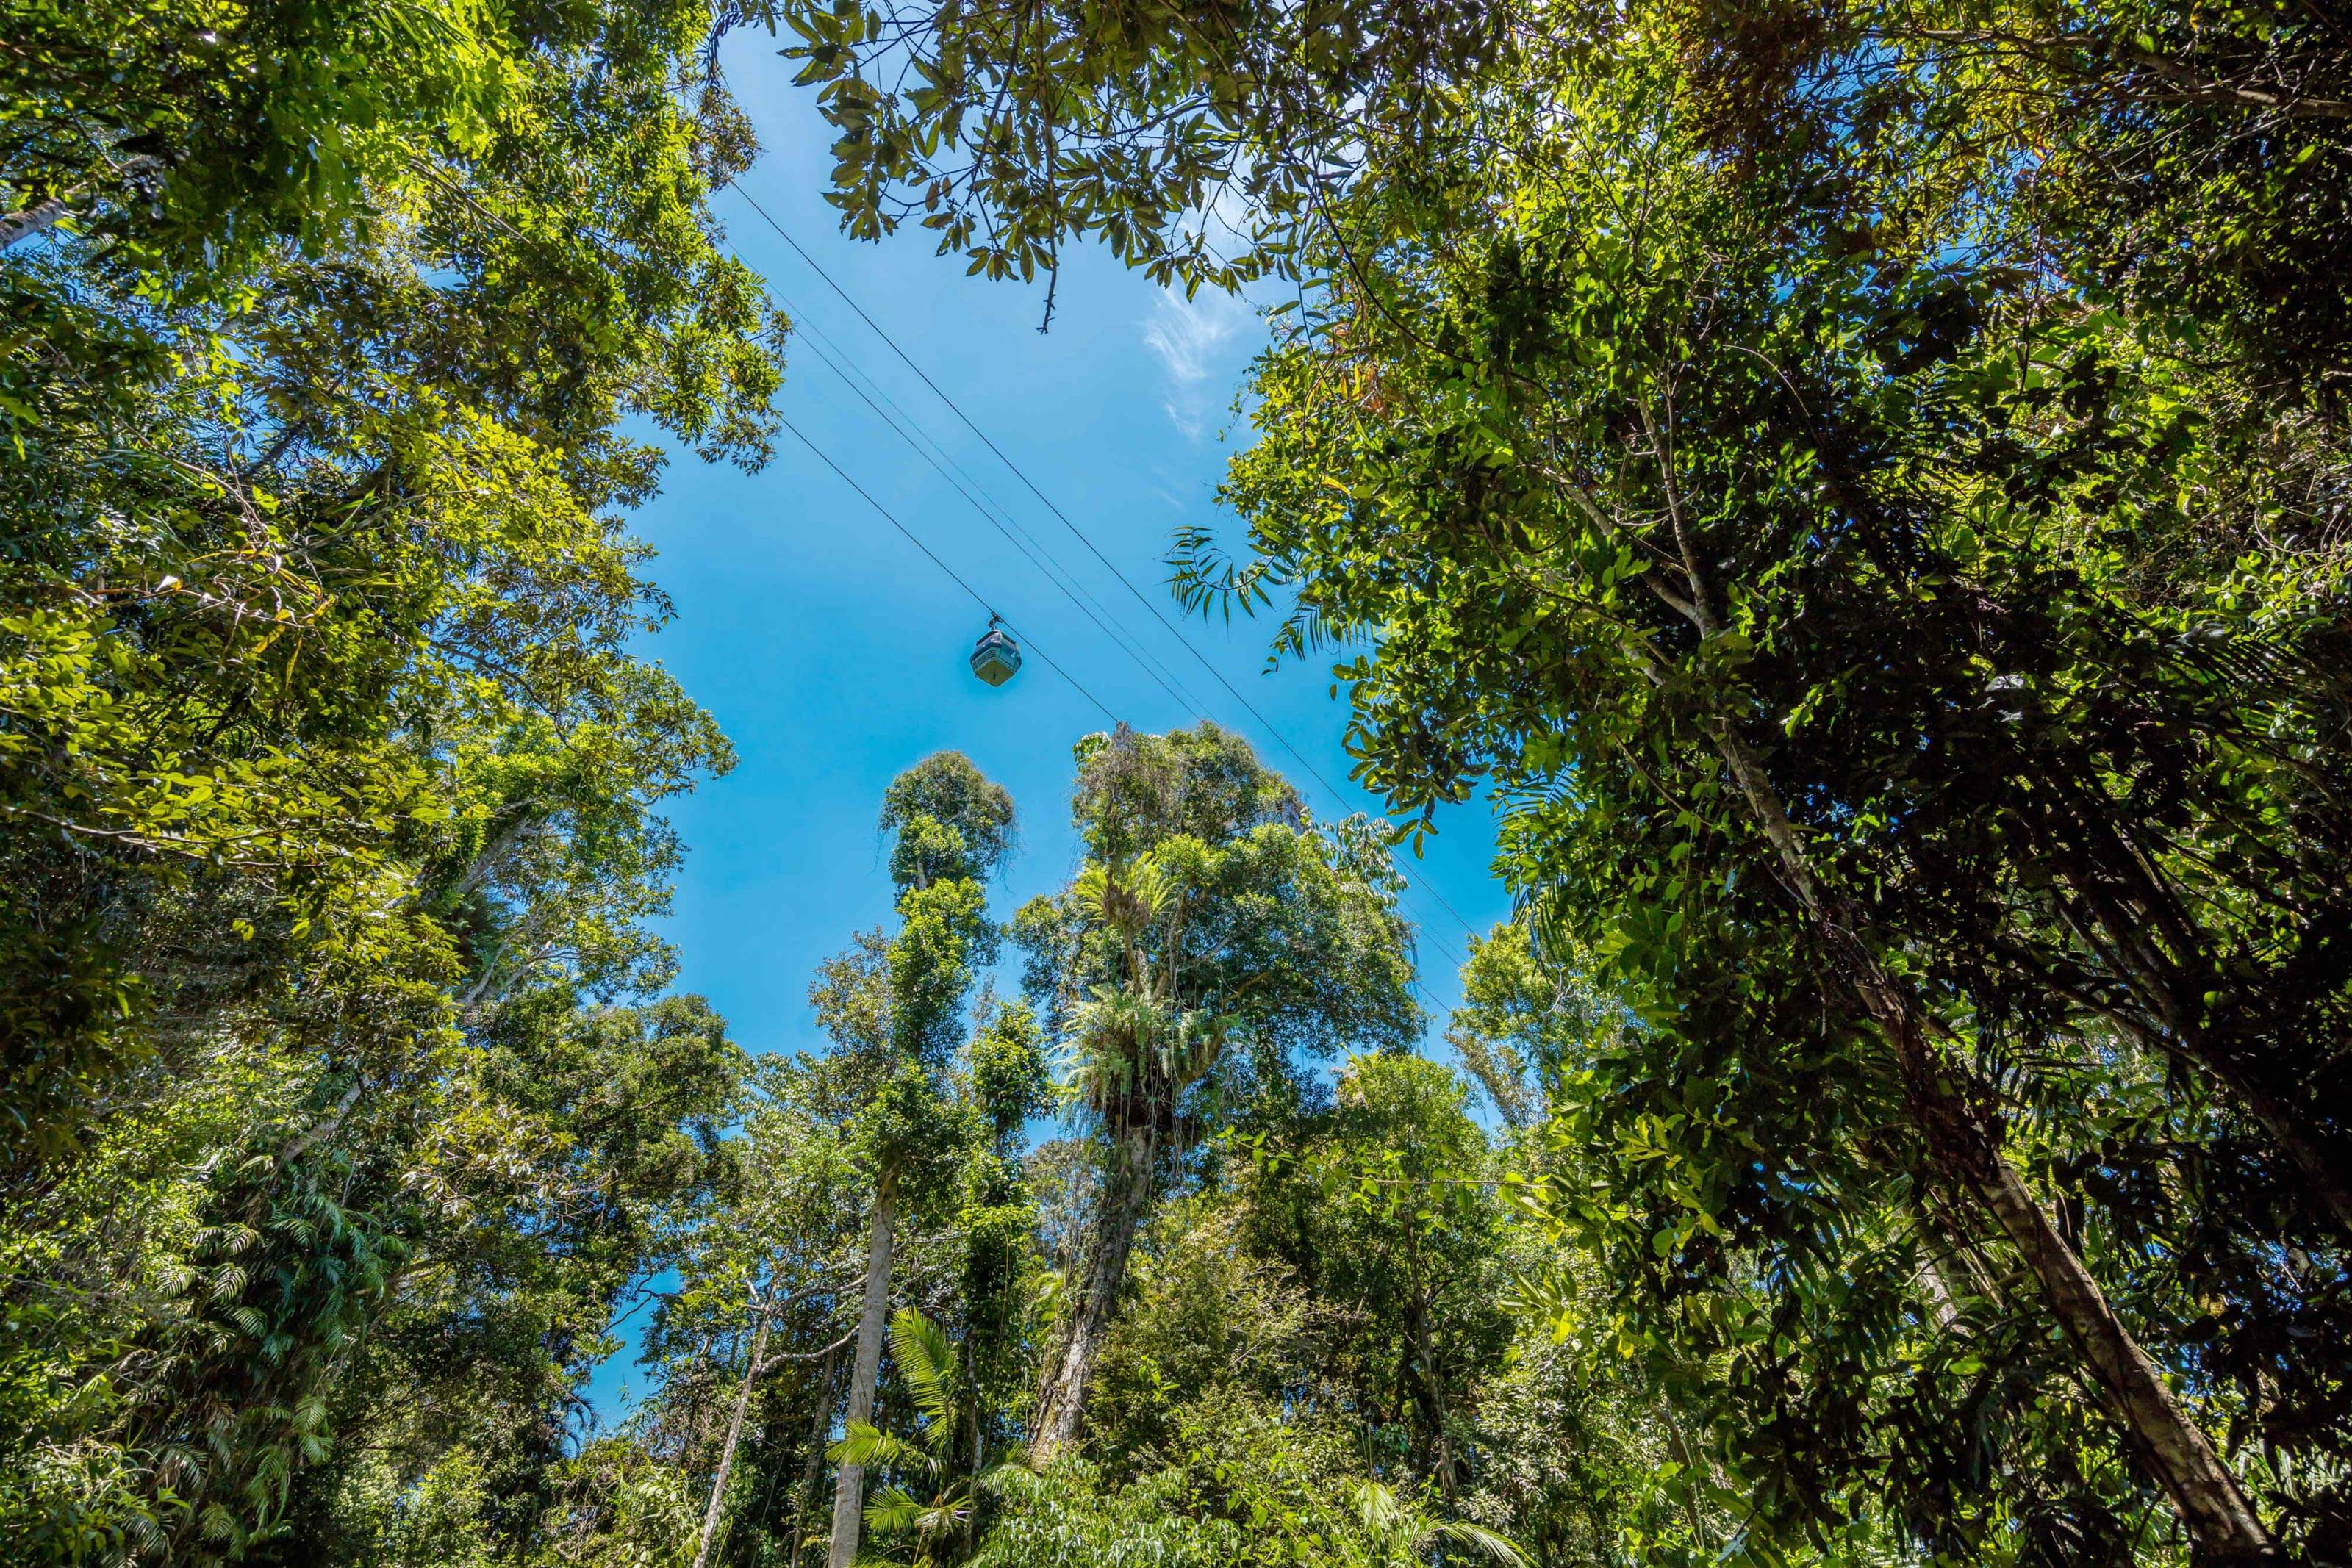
{"x": 834, "y": 653}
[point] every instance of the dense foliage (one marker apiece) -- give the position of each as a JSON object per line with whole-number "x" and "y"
{"x": 337, "y": 1113}
{"x": 1862, "y": 489}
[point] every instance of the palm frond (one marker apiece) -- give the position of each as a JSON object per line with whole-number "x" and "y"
{"x": 1377, "y": 1508}
{"x": 1476, "y": 1538}
{"x": 893, "y": 1510}
{"x": 926, "y": 1360}
{"x": 868, "y": 1446}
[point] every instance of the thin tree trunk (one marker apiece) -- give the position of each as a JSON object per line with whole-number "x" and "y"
{"x": 2179, "y": 1034}
{"x": 2222, "y": 1523}
{"x": 1964, "y": 1145}
{"x": 326, "y": 1127}
{"x": 849, "y": 1487}
{"x": 1688, "y": 1459}
{"x": 828, "y": 1393}
{"x": 1061, "y": 1401}
{"x": 734, "y": 1435}
{"x": 1431, "y": 1399}
{"x": 972, "y": 1439}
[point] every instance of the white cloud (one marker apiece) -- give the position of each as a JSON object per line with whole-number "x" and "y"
{"x": 1195, "y": 341}
{"x": 1188, "y": 334}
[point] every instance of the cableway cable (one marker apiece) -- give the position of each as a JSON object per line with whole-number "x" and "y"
{"x": 1080, "y": 534}
{"x": 844, "y": 364}
{"x": 1144, "y": 659}
{"x": 1036, "y": 553}
{"x": 982, "y": 599}
{"x": 1026, "y": 641}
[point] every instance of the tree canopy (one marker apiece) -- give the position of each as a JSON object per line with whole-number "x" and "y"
{"x": 1860, "y": 490}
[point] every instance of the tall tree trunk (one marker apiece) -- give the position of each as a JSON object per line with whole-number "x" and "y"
{"x": 1062, "y": 1400}
{"x": 828, "y": 1394}
{"x": 734, "y": 1435}
{"x": 849, "y": 1486}
{"x": 1429, "y": 1395}
{"x": 1964, "y": 1147}
{"x": 2160, "y": 983}
{"x": 973, "y": 1444}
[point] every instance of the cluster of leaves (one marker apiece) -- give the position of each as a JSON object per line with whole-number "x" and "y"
{"x": 1847, "y": 601}
{"x": 1138, "y": 1343}
{"x": 1334, "y": 1348}
{"x": 335, "y": 1098}
{"x": 1865, "y": 486}
{"x": 1190, "y": 139}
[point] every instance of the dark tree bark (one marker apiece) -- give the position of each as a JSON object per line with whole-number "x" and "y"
{"x": 1964, "y": 1147}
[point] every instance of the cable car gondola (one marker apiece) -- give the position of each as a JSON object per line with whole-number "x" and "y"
{"x": 996, "y": 657}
